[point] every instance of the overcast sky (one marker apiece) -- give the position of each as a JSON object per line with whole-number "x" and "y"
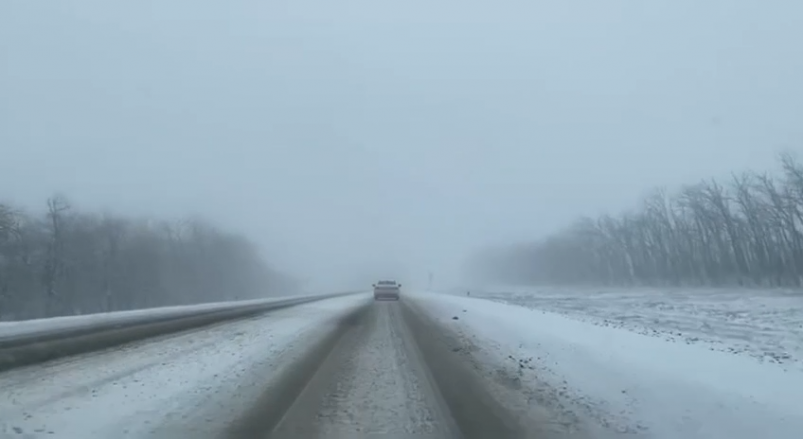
{"x": 376, "y": 136}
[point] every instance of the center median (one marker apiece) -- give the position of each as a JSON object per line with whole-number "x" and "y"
{"x": 44, "y": 345}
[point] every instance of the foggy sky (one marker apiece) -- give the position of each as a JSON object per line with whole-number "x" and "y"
{"x": 356, "y": 137}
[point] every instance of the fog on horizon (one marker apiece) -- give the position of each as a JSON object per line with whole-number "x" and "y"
{"x": 358, "y": 139}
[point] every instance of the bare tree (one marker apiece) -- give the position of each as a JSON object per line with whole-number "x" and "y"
{"x": 57, "y": 206}
{"x": 747, "y": 232}
{"x": 69, "y": 262}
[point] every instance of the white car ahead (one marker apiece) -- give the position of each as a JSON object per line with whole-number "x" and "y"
{"x": 387, "y": 290}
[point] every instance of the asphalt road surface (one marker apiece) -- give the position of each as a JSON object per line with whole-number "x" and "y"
{"x": 375, "y": 382}
{"x": 378, "y": 380}
{"x": 377, "y": 370}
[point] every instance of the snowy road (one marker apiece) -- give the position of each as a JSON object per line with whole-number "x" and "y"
{"x": 374, "y": 382}
{"x": 194, "y": 384}
{"x": 388, "y": 377}
{"x": 431, "y": 366}
{"x": 339, "y": 368}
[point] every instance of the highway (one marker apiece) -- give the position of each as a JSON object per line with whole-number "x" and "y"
{"x": 340, "y": 368}
{"x": 374, "y": 382}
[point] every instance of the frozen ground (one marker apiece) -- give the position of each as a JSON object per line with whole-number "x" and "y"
{"x": 608, "y": 382}
{"x": 764, "y": 324}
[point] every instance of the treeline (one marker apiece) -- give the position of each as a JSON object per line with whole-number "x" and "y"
{"x": 746, "y": 231}
{"x": 67, "y": 262}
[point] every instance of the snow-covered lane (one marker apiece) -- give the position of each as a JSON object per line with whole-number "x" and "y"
{"x": 373, "y": 384}
{"x": 609, "y": 382}
{"x": 186, "y": 385}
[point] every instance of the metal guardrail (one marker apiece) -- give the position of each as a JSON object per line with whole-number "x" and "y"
{"x": 41, "y": 345}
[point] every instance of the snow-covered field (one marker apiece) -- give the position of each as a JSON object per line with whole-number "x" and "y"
{"x": 600, "y": 382}
{"x": 764, "y": 324}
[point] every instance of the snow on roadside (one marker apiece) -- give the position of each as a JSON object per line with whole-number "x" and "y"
{"x": 188, "y": 385}
{"x": 11, "y": 329}
{"x": 764, "y": 324}
{"x": 617, "y": 382}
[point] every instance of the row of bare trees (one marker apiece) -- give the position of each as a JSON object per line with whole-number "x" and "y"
{"x": 67, "y": 262}
{"x": 744, "y": 231}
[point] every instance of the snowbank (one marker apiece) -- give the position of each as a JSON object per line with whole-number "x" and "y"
{"x": 612, "y": 382}
{"x": 26, "y": 327}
